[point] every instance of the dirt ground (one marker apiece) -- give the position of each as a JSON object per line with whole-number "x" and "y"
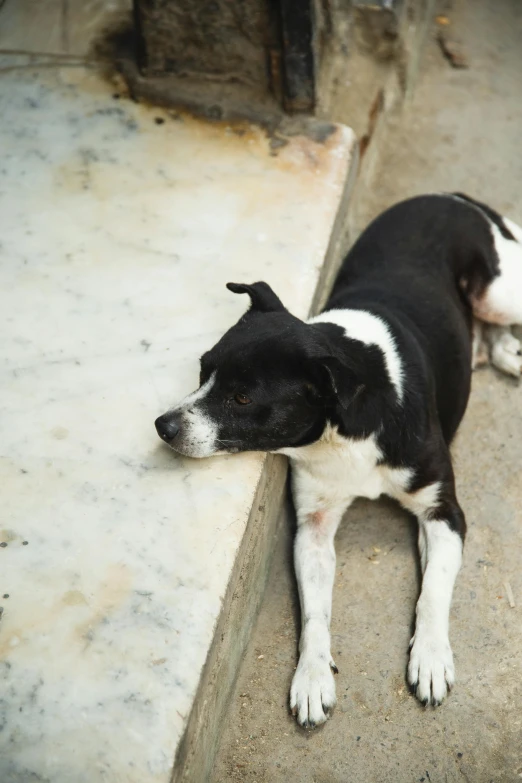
{"x": 462, "y": 131}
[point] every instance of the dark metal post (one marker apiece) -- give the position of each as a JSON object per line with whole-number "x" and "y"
{"x": 298, "y": 55}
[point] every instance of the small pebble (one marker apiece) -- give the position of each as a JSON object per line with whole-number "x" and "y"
{"x": 24, "y": 543}
{"x": 3, "y": 544}
{"x": 159, "y": 120}
{"x": 6, "y": 595}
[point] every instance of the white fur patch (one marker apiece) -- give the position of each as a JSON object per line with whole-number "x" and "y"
{"x": 335, "y": 469}
{"x": 430, "y": 671}
{"x": 502, "y": 301}
{"x": 369, "y": 329}
{"x": 506, "y": 352}
{"x": 421, "y": 501}
{"x": 198, "y": 433}
{"x": 191, "y": 399}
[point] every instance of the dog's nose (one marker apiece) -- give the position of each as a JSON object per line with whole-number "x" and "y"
{"x": 167, "y": 427}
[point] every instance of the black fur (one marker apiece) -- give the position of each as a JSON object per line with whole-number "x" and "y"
{"x": 492, "y": 215}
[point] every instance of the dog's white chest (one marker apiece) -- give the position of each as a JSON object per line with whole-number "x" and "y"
{"x": 339, "y": 469}
{"x": 351, "y": 468}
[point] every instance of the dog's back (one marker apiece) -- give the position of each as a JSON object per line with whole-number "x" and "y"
{"x": 422, "y": 266}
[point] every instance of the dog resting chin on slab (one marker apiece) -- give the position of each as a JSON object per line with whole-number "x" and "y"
{"x": 365, "y": 399}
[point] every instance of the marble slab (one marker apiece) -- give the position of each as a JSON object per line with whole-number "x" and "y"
{"x": 120, "y": 225}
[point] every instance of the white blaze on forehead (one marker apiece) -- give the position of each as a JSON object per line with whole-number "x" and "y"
{"x": 369, "y": 329}
{"x": 198, "y": 395}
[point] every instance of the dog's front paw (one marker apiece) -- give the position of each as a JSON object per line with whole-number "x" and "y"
{"x": 431, "y": 673}
{"x": 312, "y": 694}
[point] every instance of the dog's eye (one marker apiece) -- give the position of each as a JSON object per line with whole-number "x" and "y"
{"x": 242, "y": 399}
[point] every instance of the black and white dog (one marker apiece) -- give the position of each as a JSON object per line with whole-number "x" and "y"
{"x": 365, "y": 399}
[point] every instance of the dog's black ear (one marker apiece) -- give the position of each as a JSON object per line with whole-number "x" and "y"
{"x": 342, "y": 380}
{"x": 261, "y": 296}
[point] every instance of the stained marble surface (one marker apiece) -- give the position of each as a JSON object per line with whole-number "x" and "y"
{"x": 120, "y": 226}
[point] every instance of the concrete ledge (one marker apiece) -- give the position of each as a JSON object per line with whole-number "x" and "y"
{"x": 198, "y": 747}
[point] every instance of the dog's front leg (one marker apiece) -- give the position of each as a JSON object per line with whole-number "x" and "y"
{"x": 312, "y": 693}
{"x": 441, "y": 534}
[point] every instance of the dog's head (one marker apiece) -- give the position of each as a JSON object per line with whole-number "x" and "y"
{"x": 268, "y": 384}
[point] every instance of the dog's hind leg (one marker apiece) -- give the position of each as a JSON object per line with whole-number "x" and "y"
{"x": 506, "y": 350}
{"x": 499, "y": 302}
{"x": 498, "y": 344}
{"x": 479, "y": 350}
{"x": 500, "y": 305}
{"x": 494, "y": 289}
